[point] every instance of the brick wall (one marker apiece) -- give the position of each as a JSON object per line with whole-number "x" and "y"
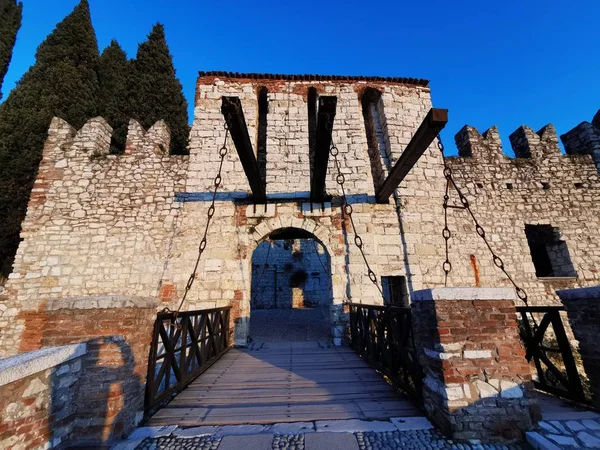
{"x": 118, "y": 332}
{"x": 476, "y": 375}
{"x": 38, "y": 400}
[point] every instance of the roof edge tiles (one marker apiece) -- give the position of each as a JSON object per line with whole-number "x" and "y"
{"x": 271, "y": 76}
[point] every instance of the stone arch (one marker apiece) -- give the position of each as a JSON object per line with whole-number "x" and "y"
{"x": 263, "y": 230}
{"x": 324, "y": 236}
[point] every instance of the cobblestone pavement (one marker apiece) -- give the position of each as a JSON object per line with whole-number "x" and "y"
{"x": 288, "y": 442}
{"x": 567, "y": 434}
{"x": 290, "y": 325}
{"x": 173, "y": 443}
{"x": 422, "y": 439}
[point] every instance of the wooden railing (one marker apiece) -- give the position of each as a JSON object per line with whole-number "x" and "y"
{"x": 549, "y": 349}
{"x": 182, "y": 349}
{"x": 383, "y": 336}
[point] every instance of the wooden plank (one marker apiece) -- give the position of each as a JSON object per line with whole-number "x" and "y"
{"x": 433, "y": 123}
{"x": 234, "y": 116}
{"x": 326, "y": 114}
{"x": 285, "y": 384}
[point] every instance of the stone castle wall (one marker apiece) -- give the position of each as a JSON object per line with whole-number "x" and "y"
{"x": 96, "y": 223}
{"x": 541, "y": 186}
{"x": 130, "y": 225}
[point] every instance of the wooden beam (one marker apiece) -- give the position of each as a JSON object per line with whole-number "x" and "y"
{"x": 234, "y": 116}
{"x": 325, "y": 116}
{"x": 433, "y": 123}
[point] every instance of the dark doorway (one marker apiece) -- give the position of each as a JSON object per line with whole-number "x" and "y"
{"x": 291, "y": 289}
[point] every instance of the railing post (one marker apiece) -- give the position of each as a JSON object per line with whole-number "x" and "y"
{"x": 583, "y": 310}
{"x": 213, "y": 327}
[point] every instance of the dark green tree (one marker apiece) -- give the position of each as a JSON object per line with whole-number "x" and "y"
{"x": 114, "y": 71}
{"x": 10, "y": 21}
{"x": 63, "y": 82}
{"x": 156, "y": 92}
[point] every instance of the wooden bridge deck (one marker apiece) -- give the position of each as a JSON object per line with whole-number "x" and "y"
{"x": 285, "y": 382}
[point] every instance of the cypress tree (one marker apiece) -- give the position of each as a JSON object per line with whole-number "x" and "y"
{"x": 10, "y": 22}
{"x": 156, "y": 92}
{"x": 113, "y": 98}
{"x": 63, "y": 83}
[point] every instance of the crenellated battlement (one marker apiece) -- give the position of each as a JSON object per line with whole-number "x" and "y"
{"x": 93, "y": 140}
{"x": 527, "y": 143}
{"x": 539, "y": 162}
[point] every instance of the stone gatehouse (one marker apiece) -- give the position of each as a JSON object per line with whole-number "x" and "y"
{"x": 108, "y": 230}
{"x": 109, "y": 240}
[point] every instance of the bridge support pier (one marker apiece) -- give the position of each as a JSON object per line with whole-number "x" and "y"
{"x": 476, "y": 375}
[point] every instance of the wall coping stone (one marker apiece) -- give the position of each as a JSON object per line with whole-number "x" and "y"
{"x": 102, "y": 302}
{"x": 17, "y": 367}
{"x": 464, "y": 293}
{"x": 586, "y": 293}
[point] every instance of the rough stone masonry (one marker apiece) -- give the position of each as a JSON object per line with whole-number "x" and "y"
{"x": 101, "y": 226}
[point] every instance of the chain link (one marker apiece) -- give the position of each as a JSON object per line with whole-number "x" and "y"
{"x": 447, "y": 266}
{"x": 223, "y": 151}
{"x": 348, "y": 210}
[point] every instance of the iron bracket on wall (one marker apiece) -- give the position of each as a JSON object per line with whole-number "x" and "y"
{"x": 326, "y": 114}
{"x": 433, "y": 123}
{"x": 234, "y": 117}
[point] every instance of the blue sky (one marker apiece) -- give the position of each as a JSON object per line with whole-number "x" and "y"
{"x": 490, "y": 63}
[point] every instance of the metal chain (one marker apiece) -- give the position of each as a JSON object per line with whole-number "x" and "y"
{"x": 347, "y": 209}
{"x": 210, "y": 214}
{"x": 478, "y": 228}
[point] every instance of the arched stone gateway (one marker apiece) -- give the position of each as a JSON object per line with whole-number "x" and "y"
{"x": 324, "y": 284}
{"x": 291, "y": 289}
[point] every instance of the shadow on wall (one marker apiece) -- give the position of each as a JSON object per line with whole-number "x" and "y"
{"x": 104, "y": 398}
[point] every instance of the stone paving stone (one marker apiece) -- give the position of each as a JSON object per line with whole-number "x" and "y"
{"x": 292, "y": 428}
{"x": 591, "y": 424}
{"x": 330, "y": 441}
{"x": 539, "y": 442}
{"x": 560, "y": 427}
{"x": 562, "y": 440}
{"x": 230, "y": 430}
{"x": 575, "y": 426}
{"x": 152, "y": 432}
{"x": 411, "y": 423}
{"x": 252, "y": 442}
{"x": 195, "y": 431}
{"x": 588, "y": 440}
{"x": 547, "y": 427}
{"x": 353, "y": 426}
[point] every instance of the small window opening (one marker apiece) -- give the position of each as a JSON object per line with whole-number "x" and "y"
{"x": 261, "y": 152}
{"x": 578, "y": 185}
{"x": 549, "y": 253}
{"x": 509, "y": 186}
{"x": 545, "y": 185}
{"x": 395, "y": 290}
{"x": 378, "y": 141}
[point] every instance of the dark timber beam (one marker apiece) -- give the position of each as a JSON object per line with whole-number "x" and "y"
{"x": 325, "y": 116}
{"x": 234, "y": 116}
{"x": 433, "y": 123}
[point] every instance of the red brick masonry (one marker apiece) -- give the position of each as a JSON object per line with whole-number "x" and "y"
{"x": 477, "y": 377}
